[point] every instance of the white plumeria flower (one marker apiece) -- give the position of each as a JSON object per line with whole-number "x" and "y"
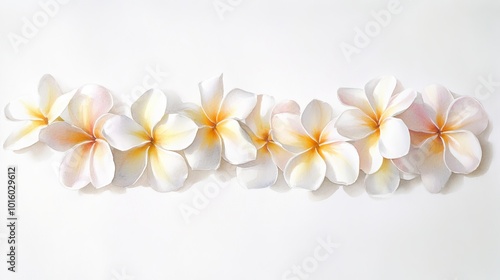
{"x": 263, "y": 171}
{"x": 220, "y": 132}
{"x": 321, "y": 150}
{"x": 443, "y": 132}
{"x": 89, "y": 159}
{"x": 37, "y": 111}
{"x": 380, "y": 137}
{"x": 147, "y": 143}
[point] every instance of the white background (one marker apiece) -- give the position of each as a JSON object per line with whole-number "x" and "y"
{"x": 287, "y": 49}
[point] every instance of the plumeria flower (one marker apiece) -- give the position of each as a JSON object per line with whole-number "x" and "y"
{"x": 263, "y": 171}
{"x": 148, "y": 141}
{"x": 37, "y": 112}
{"x": 220, "y": 132}
{"x": 443, "y": 132}
{"x": 380, "y": 137}
{"x": 89, "y": 158}
{"x": 321, "y": 151}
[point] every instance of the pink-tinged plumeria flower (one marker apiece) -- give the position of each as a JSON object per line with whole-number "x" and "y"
{"x": 37, "y": 112}
{"x": 263, "y": 171}
{"x": 220, "y": 132}
{"x": 321, "y": 151}
{"x": 380, "y": 137}
{"x": 89, "y": 159}
{"x": 443, "y": 132}
{"x": 147, "y": 142}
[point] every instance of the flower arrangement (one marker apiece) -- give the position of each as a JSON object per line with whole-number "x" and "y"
{"x": 388, "y": 132}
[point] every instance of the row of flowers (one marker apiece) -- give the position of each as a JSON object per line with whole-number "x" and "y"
{"x": 388, "y": 132}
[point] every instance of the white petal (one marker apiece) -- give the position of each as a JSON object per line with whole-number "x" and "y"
{"x": 417, "y": 118}
{"x": 315, "y": 117}
{"x": 356, "y": 98}
{"x": 287, "y": 106}
{"x": 130, "y": 165}
{"x": 88, "y": 104}
{"x": 383, "y": 182}
{"x": 382, "y": 93}
{"x": 49, "y": 91}
{"x": 432, "y": 168}
{"x": 259, "y": 120}
{"x": 462, "y": 151}
{"x": 59, "y": 105}
{"x": 287, "y": 129}
{"x": 466, "y": 113}
{"x": 211, "y": 91}
{"x": 196, "y": 113}
{"x": 399, "y": 103}
{"x": 23, "y": 109}
{"x": 260, "y": 173}
{"x": 149, "y": 109}
{"x": 394, "y": 138}
{"x": 175, "y": 132}
{"x": 102, "y": 166}
{"x": 306, "y": 170}
{"x": 124, "y": 133}
{"x": 370, "y": 159}
{"x": 62, "y": 136}
{"x": 205, "y": 152}
{"x": 279, "y": 154}
{"x": 342, "y": 162}
{"x": 167, "y": 170}
{"x": 238, "y": 147}
{"x": 355, "y": 124}
{"x": 438, "y": 99}
{"x": 331, "y": 134}
{"x": 237, "y": 104}
{"x": 24, "y": 136}
{"x": 74, "y": 171}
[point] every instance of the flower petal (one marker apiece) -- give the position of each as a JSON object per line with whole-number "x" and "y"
{"x": 355, "y": 124}
{"x": 417, "y": 118}
{"x": 315, "y": 117}
{"x": 342, "y": 162}
{"x": 438, "y": 99}
{"x": 130, "y": 165}
{"x": 49, "y": 91}
{"x": 356, "y": 98}
{"x": 287, "y": 106}
{"x": 59, "y": 105}
{"x": 123, "y": 133}
{"x": 102, "y": 166}
{"x": 211, "y": 92}
{"x": 259, "y": 120}
{"x": 23, "y": 109}
{"x": 237, "y": 104}
{"x": 149, "y": 109}
{"x": 383, "y": 182}
{"x": 466, "y": 113}
{"x": 238, "y": 147}
{"x": 370, "y": 159}
{"x": 62, "y": 136}
{"x": 74, "y": 171}
{"x": 279, "y": 154}
{"x": 88, "y": 104}
{"x": 205, "y": 152}
{"x": 306, "y": 170}
{"x": 167, "y": 170}
{"x": 431, "y": 165}
{"x": 462, "y": 151}
{"x": 382, "y": 93}
{"x": 195, "y": 113}
{"x": 399, "y": 103}
{"x": 24, "y": 136}
{"x": 331, "y": 134}
{"x": 175, "y": 132}
{"x": 394, "y": 138}
{"x": 287, "y": 129}
{"x": 259, "y": 173}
